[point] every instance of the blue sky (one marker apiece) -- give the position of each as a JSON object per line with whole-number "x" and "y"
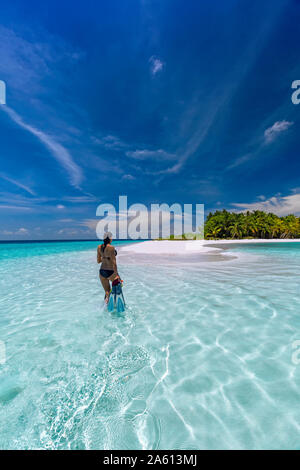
{"x": 164, "y": 101}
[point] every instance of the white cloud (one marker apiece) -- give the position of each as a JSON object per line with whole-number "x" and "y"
{"x": 221, "y": 98}
{"x": 61, "y": 155}
{"x": 17, "y": 202}
{"x": 68, "y": 231}
{"x": 60, "y": 206}
{"x": 156, "y": 65}
{"x": 239, "y": 161}
{"x": 280, "y": 205}
{"x": 79, "y": 199}
{"x": 22, "y": 230}
{"x": 274, "y": 131}
{"x": 26, "y": 61}
{"x": 150, "y": 154}
{"x": 270, "y": 134}
{"x": 13, "y": 207}
{"x": 17, "y": 183}
{"x": 110, "y": 142}
{"x": 90, "y": 223}
{"x": 128, "y": 177}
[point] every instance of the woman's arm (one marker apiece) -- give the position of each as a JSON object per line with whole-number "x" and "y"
{"x": 99, "y": 258}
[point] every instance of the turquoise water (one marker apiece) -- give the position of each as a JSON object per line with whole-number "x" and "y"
{"x": 21, "y": 250}
{"x": 270, "y": 249}
{"x": 201, "y": 359}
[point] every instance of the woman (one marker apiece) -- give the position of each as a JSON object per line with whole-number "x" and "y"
{"x": 108, "y": 269}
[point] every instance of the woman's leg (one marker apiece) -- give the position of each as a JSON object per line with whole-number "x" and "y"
{"x": 106, "y": 286}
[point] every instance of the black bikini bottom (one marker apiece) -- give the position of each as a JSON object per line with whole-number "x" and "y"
{"x": 106, "y": 272}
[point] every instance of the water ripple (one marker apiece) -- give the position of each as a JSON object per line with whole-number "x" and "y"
{"x": 200, "y": 359}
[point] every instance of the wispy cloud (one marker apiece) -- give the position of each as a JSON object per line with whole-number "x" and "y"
{"x": 259, "y": 143}
{"x": 156, "y": 65}
{"x": 110, "y": 142}
{"x": 68, "y": 231}
{"x": 221, "y": 98}
{"x": 239, "y": 161}
{"x": 14, "y": 208}
{"x": 18, "y": 184}
{"x": 150, "y": 155}
{"x": 25, "y": 61}
{"x": 128, "y": 177}
{"x": 193, "y": 144}
{"x": 79, "y": 199}
{"x": 280, "y": 205}
{"x": 58, "y": 152}
{"x": 22, "y": 200}
{"x": 89, "y": 223}
{"x": 274, "y": 131}
{"x": 20, "y": 231}
{"x": 22, "y": 63}
{"x": 17, "y": 202}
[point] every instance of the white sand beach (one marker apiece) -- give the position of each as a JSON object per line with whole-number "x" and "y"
{"x": 167, "y": 252}
{"x": 180, "y": 247}
{"x": 166, "y": 247}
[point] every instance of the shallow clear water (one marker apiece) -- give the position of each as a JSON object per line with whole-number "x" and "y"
{"x": 201, "y": 359}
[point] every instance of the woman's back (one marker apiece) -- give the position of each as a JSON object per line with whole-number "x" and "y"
{"x": 108, "y": 255}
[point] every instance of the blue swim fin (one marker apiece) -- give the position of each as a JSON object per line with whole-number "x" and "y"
{"x": 120, "y": 305}
{"x": 110, "y": 305}
{"x": 116, "y": 299}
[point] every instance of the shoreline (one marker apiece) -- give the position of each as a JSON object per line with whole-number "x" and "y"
{"x": 203, "y": 246}
{"x": 181, "y": 251}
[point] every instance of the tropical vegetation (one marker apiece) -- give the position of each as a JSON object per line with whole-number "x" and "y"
{"x": 256, "y": 224}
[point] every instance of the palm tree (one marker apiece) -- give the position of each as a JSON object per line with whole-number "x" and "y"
{"x": 258, "y": 224}
{"x": 236, "y": 230}
{"x": 213, "y": 233}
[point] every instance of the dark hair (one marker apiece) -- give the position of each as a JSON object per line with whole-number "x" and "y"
{"x": 106, "y": 241}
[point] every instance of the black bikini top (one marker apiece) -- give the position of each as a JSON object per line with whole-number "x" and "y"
{"x": 103, "y": 250}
